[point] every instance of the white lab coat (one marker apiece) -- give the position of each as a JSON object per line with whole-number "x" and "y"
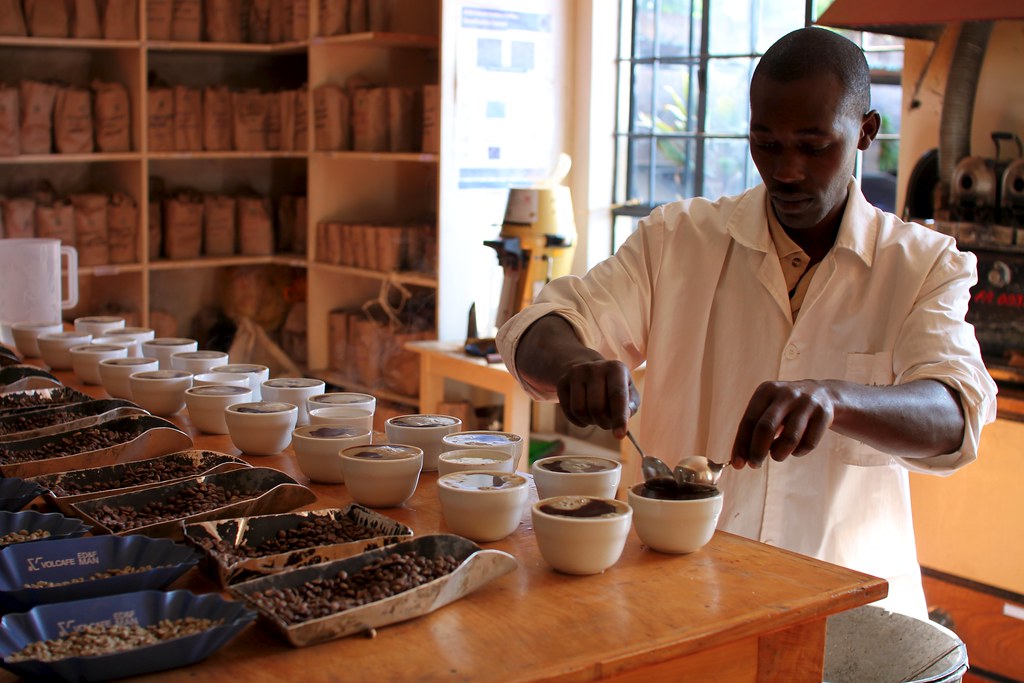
{"x": 698, "y": 293}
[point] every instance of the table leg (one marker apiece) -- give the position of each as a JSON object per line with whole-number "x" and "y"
{"x": 431, "y": 385}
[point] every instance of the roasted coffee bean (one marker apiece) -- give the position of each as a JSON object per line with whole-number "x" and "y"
{"x": 27, "y": 399}
{"x": 103, "y": 639}
{"x": 134, "y": 474}
{"x": 78, "y": 441}
{"x": 116, "y": 571}
{"x": 23, "y": 535}
{"x": 313, "y": 531}
{"x": 322, "y": 597}
{"x": 189, "y": 501}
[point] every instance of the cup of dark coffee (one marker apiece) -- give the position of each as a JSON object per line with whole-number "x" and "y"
{"x": 581, "y": 534}
{"x": 678, "y": 520}
{"x": 576, "y": 475}
{"x": 423, "y": 431}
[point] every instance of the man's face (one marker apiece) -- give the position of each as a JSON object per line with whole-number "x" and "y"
{"x": 803, "y": 141}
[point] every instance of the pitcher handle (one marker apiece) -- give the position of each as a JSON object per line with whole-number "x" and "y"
{"x": 72, "y": 299}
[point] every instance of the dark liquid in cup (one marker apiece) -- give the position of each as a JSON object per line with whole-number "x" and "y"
{"x": 592, "y": 508}
{"x": 575, "y": 466}
{"x": 331, "y": 432}
{"x": 683, "y": 492}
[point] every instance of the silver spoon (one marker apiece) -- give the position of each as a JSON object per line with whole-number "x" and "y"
{"x": 696, "y": 469}
{"x": 656, "y": 473}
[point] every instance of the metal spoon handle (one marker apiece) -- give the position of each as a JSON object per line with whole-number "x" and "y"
{"x": 632, "y": 438}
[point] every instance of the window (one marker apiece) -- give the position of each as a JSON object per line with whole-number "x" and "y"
{"x": 683, "y": 109}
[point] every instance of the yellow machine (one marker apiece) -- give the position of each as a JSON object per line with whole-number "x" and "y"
{"x": 536, "y": 244}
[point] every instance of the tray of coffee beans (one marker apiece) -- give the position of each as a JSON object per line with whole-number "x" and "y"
{"x": 117, "y": 636}
{"x": 16, "y": 493}
{"x": 373, "y": 589}
{"x": 65, "y": 488}
{"x": 13, "y": 402}
{"x": 30, "y": 526}
{"x": 89, "y": 566}
{"x": 161, "y": 510}
{"x": 32, "y": 423}
{"x": 248, "y": 547}
{"x": 124, "y": 439}
{"x": 8, "y": 356}
{"x": 15, "y": 376}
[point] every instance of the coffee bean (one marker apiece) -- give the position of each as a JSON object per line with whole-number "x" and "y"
{"x": 23, "y": 535}
{"x": 201, "y": 497}
{"x": 78, "y": 441}
{"x": 27, "y": 399}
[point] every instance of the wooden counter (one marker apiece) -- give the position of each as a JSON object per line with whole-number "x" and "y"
{"x": 735, "y": 611}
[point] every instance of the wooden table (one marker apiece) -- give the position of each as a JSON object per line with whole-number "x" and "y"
{"x": 736, "y": 610}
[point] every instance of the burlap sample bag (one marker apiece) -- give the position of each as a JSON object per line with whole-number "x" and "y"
{"x": 219, "y": 225}
{"x": 72, "y": 121}
{"x": 259, "y": 21}
{"x": 12, "y": 19}
{"x": 274, "y": 121}
{"x": 9, "y": 142}
{"x": 186, "y": 19}
{"x": 36, "y": 103}
{"x": 296, "y": 20}
{"x": 85, "y": 19}
{"x": 111, "y": 117}
{"x": 223, "y": 20}
{"x": 18, "y": 216}
{"x": 188, "y": 119}
{"x": 333, "y": 17}
{"x": 358, "y": 16}
{"x": 56, "y": 221}
{"x": 217, "y": 121}
{"x": 404, "y": 120}
{"x": 160, "y": 128}
{"x": 286, "y": 112}
{"x": 123, "y": 228}
{"x": 183, "y": 225}
{"x": 91, "y": 235}
{"x": 158, "y": 19}
{"x": 249, "y": 118}
{"x": 155, "y": 228}
{"x": 46, "y": 18}
{"x": 120, "y": 19}
{"x": 301, "y": 119}
{"x": 255, "y": 226}
{"x": 331, "y": 118}
{"x": 370, "y": 120}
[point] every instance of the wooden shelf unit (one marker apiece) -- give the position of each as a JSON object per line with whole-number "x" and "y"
{"x": 343, "y": 186}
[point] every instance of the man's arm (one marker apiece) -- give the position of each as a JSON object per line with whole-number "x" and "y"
{"x": 919, "y": 419}
{"x": 591, "y": 389}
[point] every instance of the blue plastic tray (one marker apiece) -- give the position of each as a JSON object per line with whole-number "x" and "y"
{"x": 16, "y": 493}
{"x": 57, "y": 524}
{"x": 144, "y": 608}
{"x": 79, "y": 558}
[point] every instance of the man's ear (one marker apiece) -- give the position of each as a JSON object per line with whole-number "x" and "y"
{"x": 869, "y": 127}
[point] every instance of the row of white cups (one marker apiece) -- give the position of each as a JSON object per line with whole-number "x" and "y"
{"x": 331, "y": 433}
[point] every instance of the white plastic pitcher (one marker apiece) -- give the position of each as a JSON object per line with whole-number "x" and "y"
{"x": 30, "y": 282}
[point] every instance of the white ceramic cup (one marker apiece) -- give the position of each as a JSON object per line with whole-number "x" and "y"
{"x": 26, "y": 334}
{"x": 114, "y": 374}
{"x": 342, "y": 416}
{"x": 483, "y": 506}
{"x": 581, "y": 534}
{"x": 162, "y": 348}
{"x": 233, "y": 379}
{"x": 423, "y": 431}
{"x": 110, "y": 340}
{"x": 98, "y": 325}
{"x": 55, "y": 348}
{"x": 137, "y": 335}
{"x": 487, "y": 439}
{"x": 85, "y": 360}
{"x": 257, "y": 374}
{"x": 206, "y": 405}
{"x": 462, "y": 459}
{"x": 345, "y": 399}
{"x": 576, "y": 475}
{"x": 381, "y": 475}
{"x": 318, "y": 450}
{"x": 161, "y": 392}
{"x": 675, "y": 524}
{"x": 294, "y": 390}
{"x": 261, "y": 427}
{"x": 198, "y": 362}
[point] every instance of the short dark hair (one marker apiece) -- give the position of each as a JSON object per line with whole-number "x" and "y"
{"x": 809, "y": 51}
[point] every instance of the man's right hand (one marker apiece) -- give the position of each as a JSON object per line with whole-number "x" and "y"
{"x": 591, "y": 389}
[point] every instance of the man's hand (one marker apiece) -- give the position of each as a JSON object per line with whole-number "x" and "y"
{"x": 782, "y": 419}
{"x": 918, "y": 419}
{"x": 598, "y": 392}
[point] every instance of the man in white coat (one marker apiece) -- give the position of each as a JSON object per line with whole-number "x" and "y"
{"x": 813, "y": 340}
